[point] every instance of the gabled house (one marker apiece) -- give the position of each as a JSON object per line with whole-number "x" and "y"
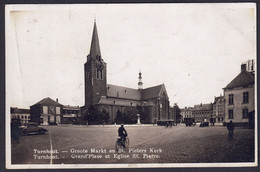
{"x": 46, "y": 112}
{"x": 202, "y": 112}
{"x": 239, "y": 97}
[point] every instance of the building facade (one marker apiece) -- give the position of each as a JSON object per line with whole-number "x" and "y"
{"x": 70, "y": 115}
{"x": 202, "y": 112}
{"x": 46, "y": 112}
{"x": 23, "y": 115}
{"x": 112, "y": 98}
{"x": 239, "y": 97}
{"x": 218, "y": 109}
{"x": 186, "y": 113}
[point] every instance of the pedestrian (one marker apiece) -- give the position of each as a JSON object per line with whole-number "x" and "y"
{"x": 230, "y": 127}
{"x": 15, "y": 130}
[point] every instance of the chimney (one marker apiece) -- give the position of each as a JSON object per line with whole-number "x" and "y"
{"x": 243, "y": 67}
{"x": 57, "y": 100}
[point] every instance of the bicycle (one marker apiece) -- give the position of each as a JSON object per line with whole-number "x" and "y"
{"x": 120, "y": 143}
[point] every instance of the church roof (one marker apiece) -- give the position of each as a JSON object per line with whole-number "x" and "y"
{"x": 149, "y": 103}
{"x": 151, "y": 92}
{"x": 118, "y": 102}
{"x": 241, "y": 80}
{"x": 48, "y": 102}
{"x": 123, "y": 92}
{"x": 95, "y": 48}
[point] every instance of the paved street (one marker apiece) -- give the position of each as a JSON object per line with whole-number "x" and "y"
{"x": 148, "y": 144}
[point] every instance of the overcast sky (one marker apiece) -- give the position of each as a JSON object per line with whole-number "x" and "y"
{"x": 194, "y": 49}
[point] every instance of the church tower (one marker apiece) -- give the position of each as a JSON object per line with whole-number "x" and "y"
{"x": 95, "y": 72}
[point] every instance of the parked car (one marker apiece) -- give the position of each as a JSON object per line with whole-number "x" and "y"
{"x": 32, "y": 127}
{"x": 204, "y": 124}
{"x": 189, "y": 122}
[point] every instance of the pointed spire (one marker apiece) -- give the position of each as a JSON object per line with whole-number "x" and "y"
{"x": 95, "y": 48}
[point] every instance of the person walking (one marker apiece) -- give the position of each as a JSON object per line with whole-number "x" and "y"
{"x": 230, "y": 127}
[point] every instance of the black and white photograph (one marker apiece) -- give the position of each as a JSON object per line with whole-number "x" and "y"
{"x": 152, "y": 85}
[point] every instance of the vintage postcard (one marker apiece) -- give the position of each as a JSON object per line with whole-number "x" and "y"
{"x": 131, "y": 85}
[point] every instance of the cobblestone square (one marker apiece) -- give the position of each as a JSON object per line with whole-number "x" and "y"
{"x": 148, "y": 144}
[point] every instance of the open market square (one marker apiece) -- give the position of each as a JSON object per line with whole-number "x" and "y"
{"x": 68, "y": 144}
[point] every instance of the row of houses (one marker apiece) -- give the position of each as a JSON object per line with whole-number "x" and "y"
{"x": 237, "y": 103}
{"x": 47, "y": 112}
{"x": 210, "y": 112}
{"x": 50, "y": 112}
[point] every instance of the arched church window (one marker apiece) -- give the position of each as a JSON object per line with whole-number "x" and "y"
{"x": 99, "y": 74}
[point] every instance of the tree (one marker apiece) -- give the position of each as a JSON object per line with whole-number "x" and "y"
{"x": 119, "y": 117}
{"x": 130, "y": 115}
{"x": 177, "y": 112}
{"x": 94, "y": 116}
{"x": 105, "y": 116}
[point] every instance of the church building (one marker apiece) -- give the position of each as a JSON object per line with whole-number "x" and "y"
{"x": 154, "y": 101}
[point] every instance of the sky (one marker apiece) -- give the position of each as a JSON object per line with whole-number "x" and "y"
{"x": 194, "y": 49}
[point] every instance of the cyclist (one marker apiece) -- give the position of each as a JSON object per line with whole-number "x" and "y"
{"x": 122, "y": 134}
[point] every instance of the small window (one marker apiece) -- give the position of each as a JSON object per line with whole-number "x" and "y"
{"x": 57, "y": 110}
{"x": 244, "y": 113}
{"x": 230, "y": 114}
{"x": 245, "y": 97}
{"x": 45, "y": 109}
{"x": 230, "y": 99}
